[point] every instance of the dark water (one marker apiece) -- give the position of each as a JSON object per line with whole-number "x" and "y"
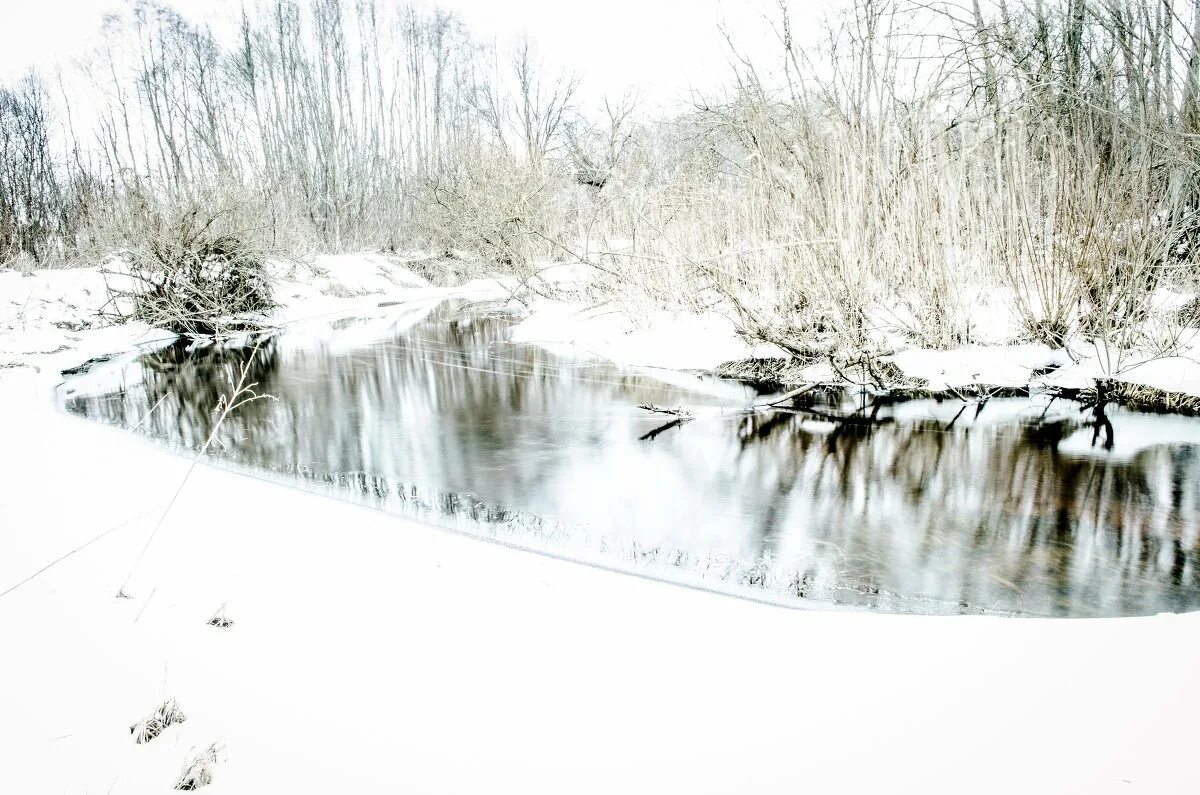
{"x": 923, "y": 506}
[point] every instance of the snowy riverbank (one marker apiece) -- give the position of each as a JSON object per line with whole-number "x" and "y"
{"x": 370, "y": 654}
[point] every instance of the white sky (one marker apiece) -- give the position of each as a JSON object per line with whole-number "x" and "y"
{"x": 664, "y": 47}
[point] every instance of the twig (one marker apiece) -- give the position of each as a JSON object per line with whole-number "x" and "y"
{"x": 79, "y": 548}
{"x": 235, "y": 401}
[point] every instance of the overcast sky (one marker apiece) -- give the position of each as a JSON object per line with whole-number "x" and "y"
{"x": 664, "y": 47}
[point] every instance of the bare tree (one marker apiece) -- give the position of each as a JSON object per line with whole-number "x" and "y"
{"x": 596, "y": 149}
{"x": 33, "y": 217}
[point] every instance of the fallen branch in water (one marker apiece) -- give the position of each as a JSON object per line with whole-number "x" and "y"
{"x": 786, "y": 396}
{"x": 681, "y": 416}
{"x": 676, "y": 412}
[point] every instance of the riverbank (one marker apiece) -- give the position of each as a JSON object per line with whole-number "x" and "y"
{"x": 1167, "y": 380}
{"x": 368, "y": 653}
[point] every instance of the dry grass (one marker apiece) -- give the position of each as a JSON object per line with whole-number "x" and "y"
{"x": 154, "y": 724}
{"x": 497, "y": 207}
{"x": 198, "y": 771}
{"x": 1146, "y": 398}
{"x": 777, "y": 371}
{"x": 220, "y": 620}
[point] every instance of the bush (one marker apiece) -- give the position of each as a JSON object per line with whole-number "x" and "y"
{"x": 189, "y": 269}
{"x": 499, "y": 207}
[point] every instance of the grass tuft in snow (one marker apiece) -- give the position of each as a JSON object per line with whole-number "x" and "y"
{"x": 220, "y": 620}
{"x": 198, "y": 771}
{"x": 157, "y": 722}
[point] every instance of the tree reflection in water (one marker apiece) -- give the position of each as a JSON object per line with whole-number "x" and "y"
{"x": 915, "y": 506}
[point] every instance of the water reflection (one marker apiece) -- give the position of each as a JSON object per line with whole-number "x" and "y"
{"x": 918, "y": 506}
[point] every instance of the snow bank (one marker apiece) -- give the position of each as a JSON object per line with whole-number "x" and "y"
{"x": 681, "y": 341}
{"x": 665, "y": 339}
{"x": 342, "y": 276}
{"x": 996, "y": 365}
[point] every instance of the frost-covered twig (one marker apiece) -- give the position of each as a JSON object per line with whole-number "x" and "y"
{"x": 242, "y": 394}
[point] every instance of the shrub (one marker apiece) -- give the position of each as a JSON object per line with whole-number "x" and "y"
{"x": 188, "y": 268}
{"x": 499, "y": 207}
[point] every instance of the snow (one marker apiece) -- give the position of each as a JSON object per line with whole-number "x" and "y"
{"x": 373, "y": 654}
{"x": 663, "y": 339}
{"x": 1179, "y": 372}
{"x": 996, "y": 365}
{"x": 333, "y": 285}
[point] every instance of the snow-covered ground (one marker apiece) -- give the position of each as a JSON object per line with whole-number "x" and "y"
{"x": 369, "y": 654}
{"x": 663, "y": 339}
